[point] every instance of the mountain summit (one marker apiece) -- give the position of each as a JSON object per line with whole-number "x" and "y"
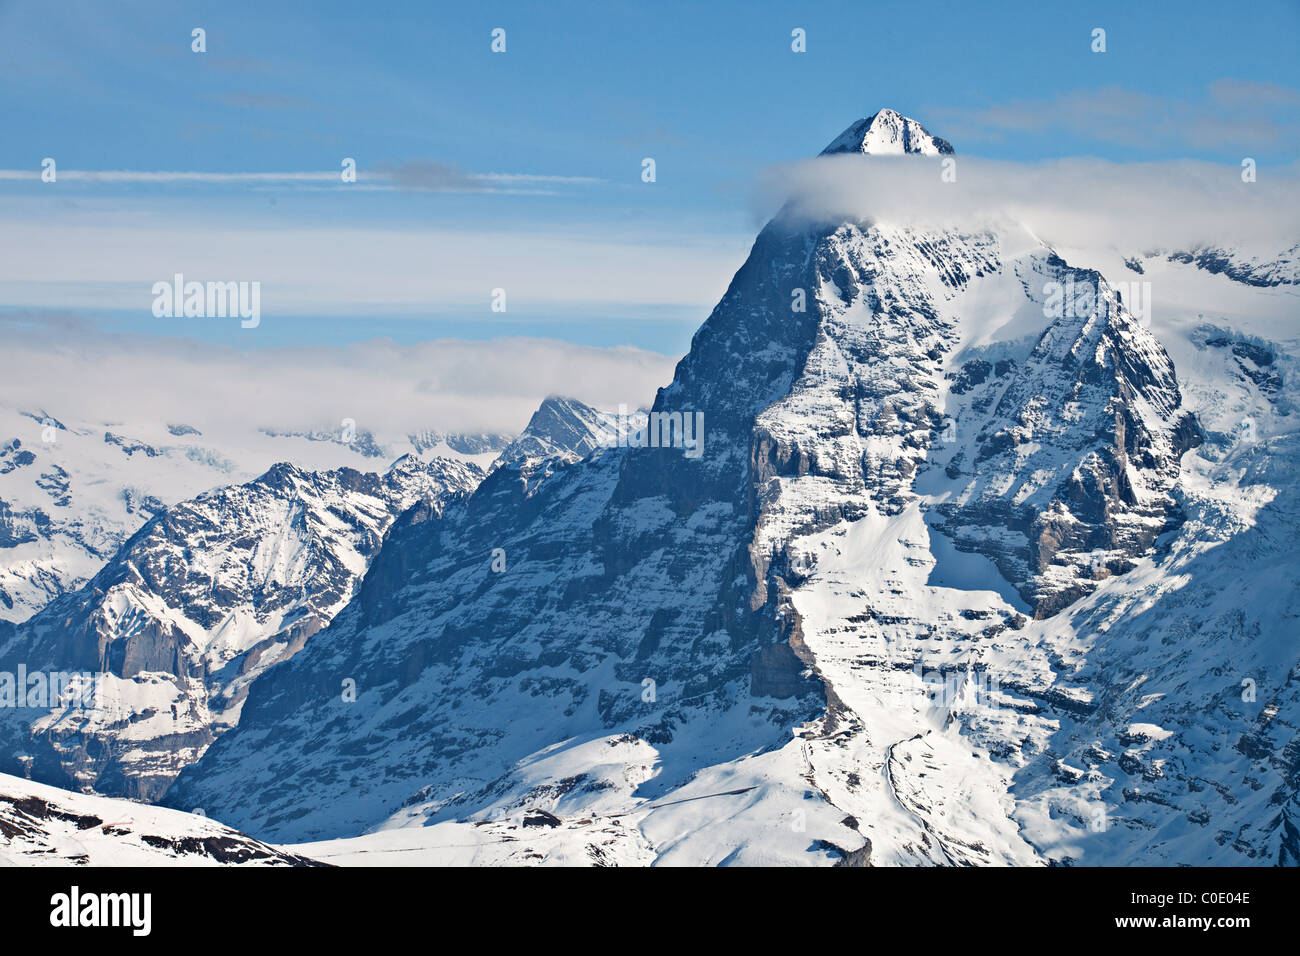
{"x": 888, "y": 133}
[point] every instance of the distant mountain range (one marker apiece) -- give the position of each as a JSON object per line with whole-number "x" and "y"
{"x": 72, "y": 492}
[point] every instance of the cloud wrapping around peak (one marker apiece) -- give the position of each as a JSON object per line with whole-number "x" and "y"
{"x": 1130, "y": 206}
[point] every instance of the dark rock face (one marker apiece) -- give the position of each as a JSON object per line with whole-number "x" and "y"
{"x": 13, "y": 456}
{"x": 1250, "y": 272}
{"x": 21, "y": 527}
{"x": 229, "y": 850}
{"x": 131, "y": 446}
{"x": 54, "y": 482}
{"x": 1255, "y": 361}
{"x": 540, "y": 818}
{"x": 858, "y": 857}
{"x": 776, "y": 671}
{"x": 1070, "y": 475}
{"x": 630, "y": 566}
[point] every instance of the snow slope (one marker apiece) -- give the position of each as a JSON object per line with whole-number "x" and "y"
{"x": 46, "y": 826}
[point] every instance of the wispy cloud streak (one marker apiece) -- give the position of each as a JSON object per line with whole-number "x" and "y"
{"x": 433, "y": 177}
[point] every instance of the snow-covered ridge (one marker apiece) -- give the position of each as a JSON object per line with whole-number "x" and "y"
{"x": 46, "y": 826}
{"x": 561, "y": 428}
{"x": 1263, "y": 270}
{"x": 198, "y": 603}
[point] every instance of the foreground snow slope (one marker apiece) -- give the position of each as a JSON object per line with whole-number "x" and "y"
{"x": 46, "y": 826}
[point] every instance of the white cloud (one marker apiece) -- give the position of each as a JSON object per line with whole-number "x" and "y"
{"x": 1134, "y": 207}
{"x": 433, "y": 177}
{"x": 78, "y": 258}
{"x": 58, "y": 365}
{"x": 1229, "y": 114}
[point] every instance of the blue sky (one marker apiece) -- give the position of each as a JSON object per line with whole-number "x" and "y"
{"x": 528, "y": 163}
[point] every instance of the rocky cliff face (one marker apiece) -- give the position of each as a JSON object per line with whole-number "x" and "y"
{"x": 623, "y": 614}
{"x": 1065, "y": 462}
{"x": 199, "y": 602}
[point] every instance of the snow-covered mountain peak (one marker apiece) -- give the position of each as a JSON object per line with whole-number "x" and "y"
{"x": 560, "y": 428}
{"x": 888, "y": 133}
